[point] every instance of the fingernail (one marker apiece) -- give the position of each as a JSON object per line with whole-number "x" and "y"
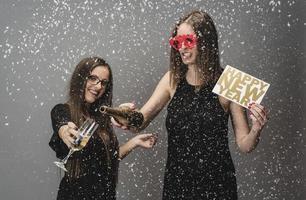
{"x": 251, "y": 103}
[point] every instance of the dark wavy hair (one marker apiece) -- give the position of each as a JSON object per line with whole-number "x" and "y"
{"x": 207, "y": 44}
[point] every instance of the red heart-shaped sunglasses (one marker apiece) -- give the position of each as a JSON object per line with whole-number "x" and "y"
{"x": 189, "y": 41}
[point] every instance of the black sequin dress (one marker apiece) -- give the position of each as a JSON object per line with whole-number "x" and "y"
{"x": 199, "y": 164}
{"x": 96, "y": 175}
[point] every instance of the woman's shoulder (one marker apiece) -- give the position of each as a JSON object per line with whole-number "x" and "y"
{"x": 167, "y": 75}
{"x": 167, "y": 82}
{"x": 60, "y": 109}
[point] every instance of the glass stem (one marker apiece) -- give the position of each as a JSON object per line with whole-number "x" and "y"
{"x": 69, "y": 154}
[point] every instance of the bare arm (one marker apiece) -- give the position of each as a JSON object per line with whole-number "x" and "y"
{"x": 160, "y": 97}
{"x": 247, "y": 138}
{"x": 143, "y": 140}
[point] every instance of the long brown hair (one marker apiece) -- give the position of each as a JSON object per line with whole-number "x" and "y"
{"x": 76, "y": 101}
{"x": 79, "y": 108}
{"x": 207, "y": 45}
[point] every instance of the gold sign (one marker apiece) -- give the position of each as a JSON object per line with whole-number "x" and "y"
{"x": 240, "y": 87}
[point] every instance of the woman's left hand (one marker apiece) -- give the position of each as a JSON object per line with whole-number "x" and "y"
{"x": 258, "y": 114}
{"x": 145, "y": 140}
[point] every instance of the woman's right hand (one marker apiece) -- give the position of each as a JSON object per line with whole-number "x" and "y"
{"x": 68, "y": 133}
{"x": 123, "y": 105}
{"x": 146, "y": 141}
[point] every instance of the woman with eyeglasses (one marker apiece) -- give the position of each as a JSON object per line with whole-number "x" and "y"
{"x": 91, "y": 172}
{"x": 199, "y": 164}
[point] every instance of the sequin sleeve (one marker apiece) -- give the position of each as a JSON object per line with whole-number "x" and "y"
{"x": 60, "y": 115}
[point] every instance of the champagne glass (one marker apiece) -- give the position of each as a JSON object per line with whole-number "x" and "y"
{"x": 84, "y": 133}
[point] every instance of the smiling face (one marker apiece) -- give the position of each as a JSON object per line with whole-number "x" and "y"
{"x": 94, "y": 89}
{"x": 204, "y": 55}
{"x": 188, "y": 55}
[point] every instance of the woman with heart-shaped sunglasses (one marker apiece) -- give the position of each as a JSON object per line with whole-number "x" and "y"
{"x": 199, "y": 164}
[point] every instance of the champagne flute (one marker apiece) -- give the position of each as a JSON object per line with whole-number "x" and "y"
{"x": 84, "y": 133}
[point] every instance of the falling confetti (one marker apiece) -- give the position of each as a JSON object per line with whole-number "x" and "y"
{"x": 42, "y": 41}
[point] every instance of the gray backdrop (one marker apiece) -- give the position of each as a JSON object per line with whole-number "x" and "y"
{"x": 42, "y": 41}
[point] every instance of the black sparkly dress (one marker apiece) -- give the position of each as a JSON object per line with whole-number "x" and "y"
{"x": 96, "y": 175}
{"x": 199, "y": 164}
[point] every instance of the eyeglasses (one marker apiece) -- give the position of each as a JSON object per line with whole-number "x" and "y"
{"x": 94, "y": 80}
{"x": 189, "y": 41}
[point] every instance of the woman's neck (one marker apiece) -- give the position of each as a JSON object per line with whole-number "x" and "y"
{"x": 194, "y": 76}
